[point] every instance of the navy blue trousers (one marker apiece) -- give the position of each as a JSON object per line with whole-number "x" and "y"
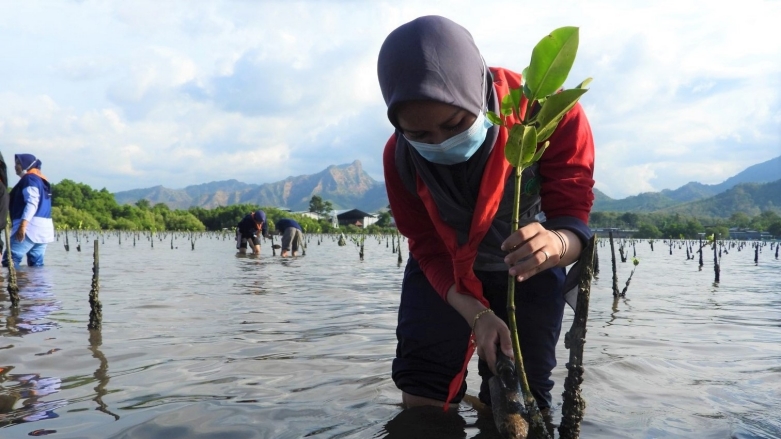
{"x": 432, "y": 335}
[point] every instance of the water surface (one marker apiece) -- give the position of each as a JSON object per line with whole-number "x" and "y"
{"x": 205, "y": 344}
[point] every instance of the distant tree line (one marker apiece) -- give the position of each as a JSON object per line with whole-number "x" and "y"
{"x": 675, "y": 225}
{"x": 77, "y": 205}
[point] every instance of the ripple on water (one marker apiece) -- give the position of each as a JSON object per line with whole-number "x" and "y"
{"x": 202, "y": 344}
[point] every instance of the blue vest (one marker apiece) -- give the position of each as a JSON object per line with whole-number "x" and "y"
{"x": 16, "y": 204}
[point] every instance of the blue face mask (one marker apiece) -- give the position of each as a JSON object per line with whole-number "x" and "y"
{"x": 458, "y": 148}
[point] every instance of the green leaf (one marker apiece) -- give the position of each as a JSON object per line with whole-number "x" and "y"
{"x": 523, "y": 75}
{"x": 507, "y": 105}
{"x": 539, "y": 152}
{"x": 512, "y": 149}
{"x": 585, "y": 83}
{"x": 516, "y": 97}
{"x": 527, "y": 91}
{"x": 553, "y": 110}
{"x": 529, "y": 145}
{"x": 551, "y": 61}
{"x": 494, "y": 118}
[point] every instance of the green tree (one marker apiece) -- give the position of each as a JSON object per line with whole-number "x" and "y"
{"x": 740, "y": 220}
{"x": 719, "y": 232}
{"x": 775, "y": 229}
{"x": 648, "y": 231}
{"x": 384, "y": 219}
{"x": 183, "y": 221}
{"x": 143, "y": 204}
{"x": 630, "y": 219}
{"x": 320, "y": 207}
{"x": 764, "y": 220}
{"x": 70, "y": 217}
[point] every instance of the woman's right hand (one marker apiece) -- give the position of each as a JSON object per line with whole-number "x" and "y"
{"x": 491, "y": 331}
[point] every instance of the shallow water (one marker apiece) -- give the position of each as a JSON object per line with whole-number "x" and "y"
{"x": 207, "y": 344}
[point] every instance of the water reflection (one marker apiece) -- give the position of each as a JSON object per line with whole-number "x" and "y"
{"x": 29, "y": 389}
{"x": 37, "y": 303}
{"x": 424, "y": 422}
{"x": 101, "y": 373}
{"x": 433, "y": 422}
{"x": 203, "y": 345}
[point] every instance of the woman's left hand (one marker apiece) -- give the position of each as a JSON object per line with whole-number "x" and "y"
{"x": 532, "y": 249}
{"x": 21, "y": 232}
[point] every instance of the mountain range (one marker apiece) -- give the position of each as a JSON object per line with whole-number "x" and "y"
{"x": 347, "y": 186}
{"x": 672, "y": 199}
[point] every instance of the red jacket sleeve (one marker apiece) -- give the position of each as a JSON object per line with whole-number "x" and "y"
{"x": 413, "y": 221}
{"x": 567, "y": 169}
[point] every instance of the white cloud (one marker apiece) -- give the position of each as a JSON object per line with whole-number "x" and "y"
{"x": 177, "y": 93}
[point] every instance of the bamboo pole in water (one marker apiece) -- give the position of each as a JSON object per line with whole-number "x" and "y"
{"x": 13, "y": 288}
{"x": 700, "y": 251}
{"x": 716, "y": 268}
{"x": 96, "y": 308}
{"x": 399, "y": 261}
{"x": 615, "y": 273}
{"x": 573, "y": 404}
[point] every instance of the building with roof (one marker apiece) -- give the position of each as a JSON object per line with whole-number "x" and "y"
{"x": 356, "y": 217}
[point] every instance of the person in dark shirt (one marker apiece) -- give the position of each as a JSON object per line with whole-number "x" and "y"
{"x": 249, "y": 231}
{"x": 292, "y": 236}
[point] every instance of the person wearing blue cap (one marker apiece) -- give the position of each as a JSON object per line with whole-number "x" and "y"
{"x": 250, "y": 230}
{"x": 30, "y": 207}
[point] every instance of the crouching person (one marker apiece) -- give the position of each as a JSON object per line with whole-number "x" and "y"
{"x": 250, "y": 230}
{"x": 292, "y": 236}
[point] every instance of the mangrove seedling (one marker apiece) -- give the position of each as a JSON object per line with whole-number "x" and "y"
{"x": 531, "y": 113}
{"x": 635, "y": 262}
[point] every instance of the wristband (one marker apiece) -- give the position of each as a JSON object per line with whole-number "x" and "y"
{"x": 563, "y": 243}
{"x": 480, "y": 314}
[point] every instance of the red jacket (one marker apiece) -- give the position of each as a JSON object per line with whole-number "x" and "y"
{"x": 566, "y": 169}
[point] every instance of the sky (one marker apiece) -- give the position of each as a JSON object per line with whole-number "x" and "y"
{"x": 134, "y": 94}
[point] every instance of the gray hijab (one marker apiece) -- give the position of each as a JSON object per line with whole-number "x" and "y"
{"x": 434, "y": 59}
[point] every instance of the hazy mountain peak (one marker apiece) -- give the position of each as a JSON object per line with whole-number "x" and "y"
{"x": 346, "y": 186}
{"x": 765, "y": 172}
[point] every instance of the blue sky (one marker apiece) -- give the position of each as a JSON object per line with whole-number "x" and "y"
{"x": 132, "y": 94}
